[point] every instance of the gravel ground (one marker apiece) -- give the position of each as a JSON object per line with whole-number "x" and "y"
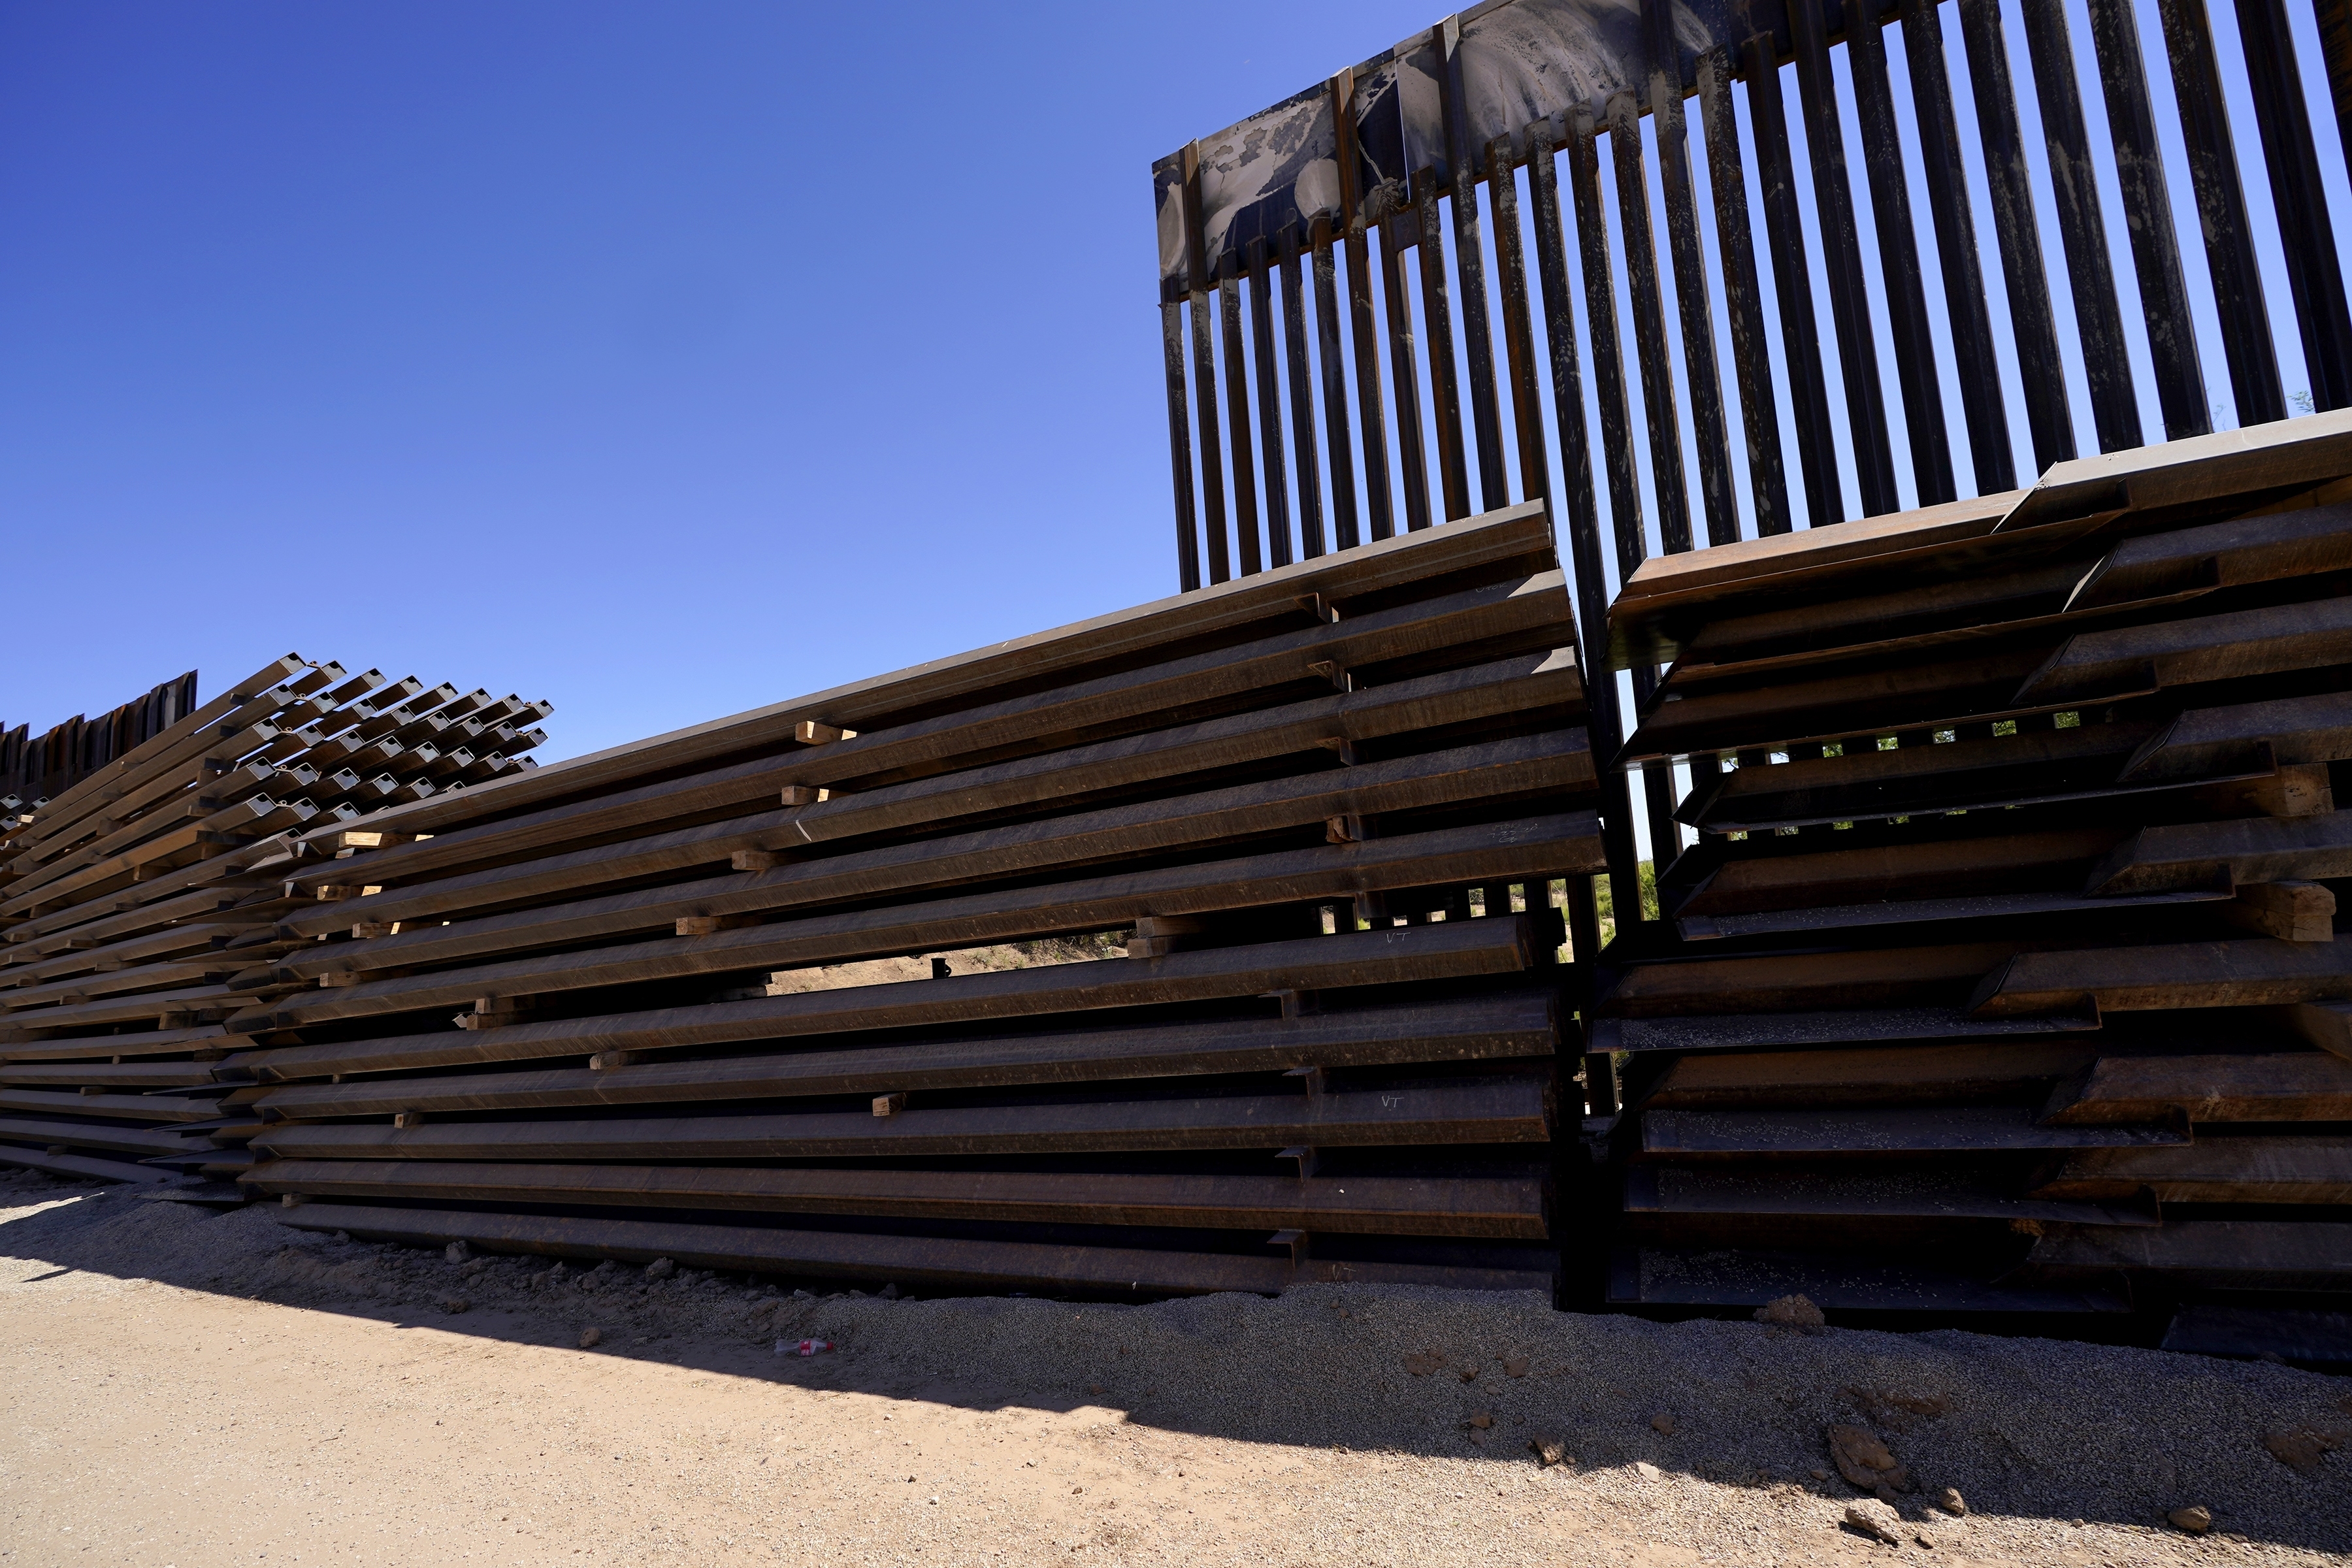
{"x": 145, "y": 1345}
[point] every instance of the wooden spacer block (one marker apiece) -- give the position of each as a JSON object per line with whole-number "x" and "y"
{"x": 291, "y": 1200}
{"x": 1297, "y": 1004}
{"x": 408, "y": 1119}
{"x": 86, "y": 1089}
{"x": 809, "y": 732}
{"x": 369, "y": 838}
{"x": 57, "y": 1149}
{"x": 707, "y": 925}
{"x": 1330, "y": 670}
{"x": 2296, "y": 789}
{"x": 368, "y": 931}
{"x": 1170, "y": 925}
{"x": 2291, "y": 911}
{"x": 335, "y": 892}
{"x": 1156, "y": 936}
{"x": 606, "y": 1061}
{"x": 890, "y": 1104}
{"x": 493, "y": 1012}
{"x": 805, "y": 794}
{"x": 755, "y": 860}
{"x": 1343, "y": 746}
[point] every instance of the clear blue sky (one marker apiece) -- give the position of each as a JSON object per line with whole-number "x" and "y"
{"x": 659, "y": 360}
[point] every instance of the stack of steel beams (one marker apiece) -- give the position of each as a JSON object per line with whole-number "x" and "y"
{"x": 2005, "y": 971}
{"x": 658, "y": 1002}
{"x": 137, "y": 900}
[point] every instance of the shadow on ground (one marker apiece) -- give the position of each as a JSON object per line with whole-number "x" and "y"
{"x": 2033, "y": 1428}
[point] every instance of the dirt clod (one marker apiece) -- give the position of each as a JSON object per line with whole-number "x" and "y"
{"x": 1793, "y": 1312}
{"x": 1862, "y": 1458}
{"x": 590, "y": 1338}
{"x": 2300, "y": 1450}
{"x": 1870, "y": 1524}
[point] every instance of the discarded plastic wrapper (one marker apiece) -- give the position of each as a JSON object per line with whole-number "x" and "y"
{"x": 805, "y": 1347}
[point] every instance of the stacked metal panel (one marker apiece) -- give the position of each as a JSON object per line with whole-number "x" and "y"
{"x": 603, "y": 1010}
{"x": 137, "y": 898}
{"x": 33, "y": 767}
{"x": 2004, "y": 973}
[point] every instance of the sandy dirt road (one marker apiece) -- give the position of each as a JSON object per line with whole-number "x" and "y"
{"x": 181, "y": 1390}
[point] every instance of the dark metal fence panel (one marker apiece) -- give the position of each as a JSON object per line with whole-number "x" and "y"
{"x": 35, "y": 767}
{"x": 1953, "y": 323}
